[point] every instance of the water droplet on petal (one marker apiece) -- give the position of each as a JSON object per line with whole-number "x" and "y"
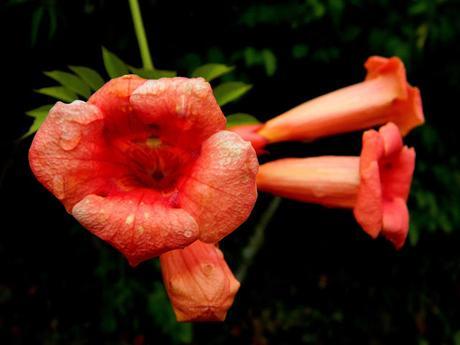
{"x": 70, "y": 137}
{"x": 188, "y": 233}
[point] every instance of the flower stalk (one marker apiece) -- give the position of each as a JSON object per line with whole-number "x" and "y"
{"x": 144, "y": 50}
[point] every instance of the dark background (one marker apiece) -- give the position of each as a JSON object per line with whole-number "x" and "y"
{"x": 318, "y": 279}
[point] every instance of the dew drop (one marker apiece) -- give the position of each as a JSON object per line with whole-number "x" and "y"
{"x": 70, "y": 137}
{"x": 188, "y": 233}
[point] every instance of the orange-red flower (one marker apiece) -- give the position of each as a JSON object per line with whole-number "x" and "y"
{"x": 375, "y": 185}
{"x": 143, "y": 164}
{"x": 249, "y": 133}
{"x": 199, "y": 283}
{"x": 385, "y": 96}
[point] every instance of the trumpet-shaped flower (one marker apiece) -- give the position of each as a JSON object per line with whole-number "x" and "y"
{"x": 249, "y": 133}
{"x": 385, "y": 96}
{"x": 375, "y": 185}
{"x": 143, "y": 163}
{"x": 199, "y": 283}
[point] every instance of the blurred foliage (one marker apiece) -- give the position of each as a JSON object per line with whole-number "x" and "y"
{"x": 318, "y": 279}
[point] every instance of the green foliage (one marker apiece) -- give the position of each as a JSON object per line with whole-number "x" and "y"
{"x": 230, "y": 91}
{"x": 70, "y": 82}
{"x": 39, "y": 114}
{"x": 114, "y": 66}
{"x": 269, "y": 60}
{"x": 212, "y": 71}
{"x": 299, "y": 51}
{"x": 264, "y": 57}
{"x": 59, "y": 92}
{"x": 43, "y": 15}
{"x": 40, "y": 111}
{"x": 239, "y": 119}
{"x": 90, "y": 76}
{"x": 437, "y": 208}
{"x": 152, "y": 74}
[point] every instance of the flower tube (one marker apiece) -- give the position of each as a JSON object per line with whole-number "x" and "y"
{"x": 385, "y": 96}
{"x": 199, "y": 282}
{"x": 375, "y": 185}
{"x": 143, "y": 163}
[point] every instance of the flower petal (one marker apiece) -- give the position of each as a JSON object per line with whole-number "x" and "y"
{"x": 221, "y": 190}
{"x": 68, "y": 155}
{"x": 386, "y": 169}
{"x": 328, "y": 180}
{"x": 179, "y": 106}
{"x": 391, "y": 137}
{"x": 397, "y": 180}
{"x": 395, "y": 221}
{"x": 199, "y": 283}
{"x": 384, "y": 96}
{"x": 368, "y": 209}
{"x": 249, "y": 133}
{"x": 407, "y": 110}
{"x": 136, "y": 224}
{"x": 113, "y": 100}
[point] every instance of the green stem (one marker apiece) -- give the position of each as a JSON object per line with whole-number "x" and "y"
{"x": 140, "y": 35}
{"x": 257, "y": 240}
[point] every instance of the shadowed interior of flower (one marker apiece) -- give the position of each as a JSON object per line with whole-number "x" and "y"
{"x": 143, "y": 162}
{"x": 375, "y": 185}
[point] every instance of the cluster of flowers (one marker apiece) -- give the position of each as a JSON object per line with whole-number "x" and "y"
{"x": 377, "y": 183}
{"x": 148, "y": 166}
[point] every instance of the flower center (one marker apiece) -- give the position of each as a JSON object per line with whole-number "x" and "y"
{"x": 150, "y": 163}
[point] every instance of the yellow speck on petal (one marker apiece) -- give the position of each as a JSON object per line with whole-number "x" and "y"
{"x": 129, "y": 219}
{"x": 153, "y": 142}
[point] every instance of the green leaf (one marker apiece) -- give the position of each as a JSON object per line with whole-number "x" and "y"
{"x": 212, "y": 71}
{"x": 114, "y": 66}
{"x": 37, "y": 17}
{"x": 239, "y": 119}
{"x": 152, "y": 74}
{"x": 53, "y": 18}
{"x": 89, "y": 76}
{"x": 40, "y": 111}
{"x": 299, "y": 51}
{"x": 269, "y": 61}
{"x": 38, "y": 120}
{"x": 71, "y": 82}
{"x": 58, "y": 92}
{"x": 230, "y": 91}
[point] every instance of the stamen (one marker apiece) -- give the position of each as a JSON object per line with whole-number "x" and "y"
{"x": 153, "y": 142}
